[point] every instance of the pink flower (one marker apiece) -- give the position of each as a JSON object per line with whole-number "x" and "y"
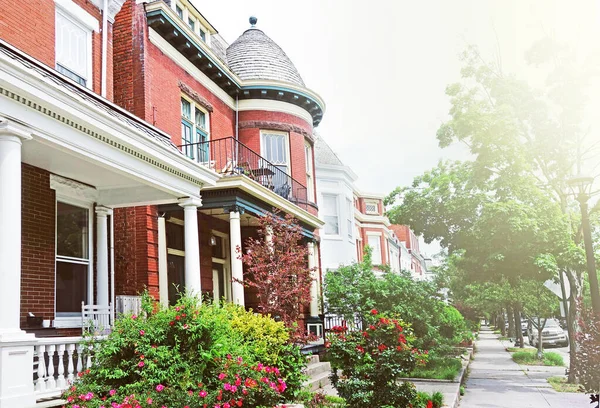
{"x": 160, "y": 387}
{"x": 203, "y": 393}
{"x": 142, "y": 332}
{"x": 222, "y": 375}
{"x": 141, "y": 364}
{"x": 149, "y": 401}
{"x": 134, "y": 317}
{"x": 112, "y": 392}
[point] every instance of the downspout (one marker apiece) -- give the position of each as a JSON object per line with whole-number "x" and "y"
{"x": 104, "y": 46}
{"x": 112, "y": 267}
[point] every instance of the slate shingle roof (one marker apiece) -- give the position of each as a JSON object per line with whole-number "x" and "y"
{"x": 255, "y": 56}
{"x": 324, "y": 154}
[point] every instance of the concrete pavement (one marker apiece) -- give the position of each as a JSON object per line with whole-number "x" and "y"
{"x": 495, "y": 381}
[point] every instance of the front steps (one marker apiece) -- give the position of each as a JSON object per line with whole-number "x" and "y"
{"x": 318, "y": 373}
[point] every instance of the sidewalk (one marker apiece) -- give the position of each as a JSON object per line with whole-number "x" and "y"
{"x": 495, "y": 381}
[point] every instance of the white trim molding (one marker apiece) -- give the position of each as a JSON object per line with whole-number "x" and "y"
{"x": 74, "y": 11}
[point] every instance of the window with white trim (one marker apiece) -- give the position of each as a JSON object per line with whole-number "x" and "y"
{"x": 371, "y": 207}
{"x": 329, "y": 208}
{"x": 310, "y": 185}
{"x": 374, "y": 241}
{"x": 192, "y": 19}
{"x": 72, "y": 258}
{"x": 73, "y": 48}
{"x": 349, "y": 218}
{"x": 274, "y": 148}
{"x": 194, "y": 131}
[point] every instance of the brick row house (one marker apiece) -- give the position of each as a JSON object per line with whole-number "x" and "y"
{"x": 137, "y": 151}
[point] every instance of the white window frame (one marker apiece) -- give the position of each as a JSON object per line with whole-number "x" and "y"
{"x": 194, "y": 128}
{"x": 186, "y": 16}
{"x": 350, "y": 219}
{"x": 376, "y": 259}
{"x": 226, "y": 262}
{"x": 263, "y": 151}
{"x": 74, "y": 321}
{"x": 372, "y": 202}
{"x": 81, "y": 18}
{"x": 310, "y": 174}
{"x": 337, "y": 214}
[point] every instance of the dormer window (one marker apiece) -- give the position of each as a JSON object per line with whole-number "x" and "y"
{"x": 179, "y": 12}
{"x": 191, "y": 23}
{"x": 202, "y": 34}
{"x": 192, "y": 18}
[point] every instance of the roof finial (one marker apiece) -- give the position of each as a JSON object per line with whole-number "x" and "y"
{"x": 253, "y": 21}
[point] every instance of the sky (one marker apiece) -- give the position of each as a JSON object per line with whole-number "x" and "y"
{"x": 382, "y": 65}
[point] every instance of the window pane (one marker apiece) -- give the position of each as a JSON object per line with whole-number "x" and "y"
{"x": 72, "y": 46}
{"x": 275, "y": 150}
{"x": 375, "y": 244}
{"x": 71, "y": 231}
{"x": 186, "y": 109}
{"x": 203, "y": 35}
{"x": 331, "y": 225}
{"x": 191, "y": 23}
{"x": 71, "y": 286}
{"x": 200, "y": 119}
{"x": 179, "y": 12}
{"x": 175, "y": 236}
{"x": 329, "y": 204}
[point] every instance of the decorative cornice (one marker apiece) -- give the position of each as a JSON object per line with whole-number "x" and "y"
{"x": 73, "y": 189}
{"x": 196, "y": 97}
{"x": 267, "y": 124}
{"x": 234, "y": 208}
{"x": 114, "y": 6}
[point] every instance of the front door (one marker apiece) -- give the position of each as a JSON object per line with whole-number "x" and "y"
{"x": 218, "y": 282}
{"x": 176, "y": 277}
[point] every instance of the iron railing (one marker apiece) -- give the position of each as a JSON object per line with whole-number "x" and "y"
{"x": 229, "y": 157}
{"x": 332, "y": 320}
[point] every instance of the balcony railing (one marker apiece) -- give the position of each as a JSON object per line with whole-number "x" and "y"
{"x": 230, "y": 157}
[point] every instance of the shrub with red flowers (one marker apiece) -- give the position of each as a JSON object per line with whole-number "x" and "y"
{"x": 366, "y": 365}
{"x": 191, "y": 355}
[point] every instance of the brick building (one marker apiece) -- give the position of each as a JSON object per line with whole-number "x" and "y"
{"x": 137, "y": 149}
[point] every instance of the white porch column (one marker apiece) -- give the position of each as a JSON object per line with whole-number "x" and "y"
{"x": 163, "y": 279}
{"x": 16, "y": 346}
{"x": 314, "y": 290}
{"x": 237, "y": 268}
{"x": 102, "y": 288}
{"x": 192, "y": 244}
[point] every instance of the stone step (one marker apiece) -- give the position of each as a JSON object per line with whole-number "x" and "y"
{"x": 312, "y": 359}
{"x": 317, "y": 368}
{"x": 319, "y": 381}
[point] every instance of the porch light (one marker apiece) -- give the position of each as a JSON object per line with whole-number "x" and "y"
{"x": 213, "y": 240}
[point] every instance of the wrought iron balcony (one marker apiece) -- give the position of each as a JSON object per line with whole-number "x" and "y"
{"x": 230, "y": 157}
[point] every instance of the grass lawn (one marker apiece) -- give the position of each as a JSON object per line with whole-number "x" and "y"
{"x": 560, "y": 385}
{"x": 529, "y": 357}
{"x": 445, "y": 368}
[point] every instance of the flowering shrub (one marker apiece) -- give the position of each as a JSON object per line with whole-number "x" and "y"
{"x": 371, "y": 361}
{"x": 190, "y": 355}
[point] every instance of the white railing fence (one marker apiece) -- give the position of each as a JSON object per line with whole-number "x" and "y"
{"x": 57, "y": 361}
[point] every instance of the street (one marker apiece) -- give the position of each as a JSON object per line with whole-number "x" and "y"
{"x": 495, "y": 381}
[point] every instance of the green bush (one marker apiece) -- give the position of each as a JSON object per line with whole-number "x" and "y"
{"x": 529, "y": 357}
{"x": 191, "y": 354}
{"x": 366, "y": 365}
{"x": 426, "y": 400}
{"x": 440, "y": 368}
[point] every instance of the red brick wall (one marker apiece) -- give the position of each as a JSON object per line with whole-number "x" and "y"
{"x": 136, "y": 250}
{"x": 37, "y": 245}
{"x": 129, "y": 35}
{"x": 164, "y": 97}
{"x": 30, "y": 27}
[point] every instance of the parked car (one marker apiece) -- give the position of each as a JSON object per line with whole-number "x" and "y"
{"x": 524, "y": 323}
{"x": 552, "y": 334}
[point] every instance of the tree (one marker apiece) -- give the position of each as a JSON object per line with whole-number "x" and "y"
{"x": 277, "y": 267}
{"x": 539, "y": 304}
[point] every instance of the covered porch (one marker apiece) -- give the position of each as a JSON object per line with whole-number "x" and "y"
{"x": 69, "y": 161}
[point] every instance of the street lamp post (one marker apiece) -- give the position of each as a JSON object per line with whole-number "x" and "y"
{"x": 581, "y": 186}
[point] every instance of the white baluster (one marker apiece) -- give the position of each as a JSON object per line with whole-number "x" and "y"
{"x": 61, "y": 383}
{"x": 79, "y": 358}
{"x": 41, "y": 381}
{"x": 88, "y": 364}
{"x": 51, "y": 371}
{"x": 70, "y": 366}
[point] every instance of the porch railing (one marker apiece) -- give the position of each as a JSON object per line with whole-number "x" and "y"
{"x": 57, "y": 361}
{"x": 332, "y": 320}
{"x": 228, "y": 156}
